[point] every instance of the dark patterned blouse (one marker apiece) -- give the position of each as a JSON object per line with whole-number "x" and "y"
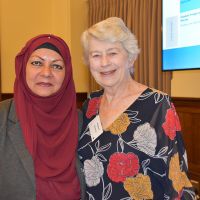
{"x": 141, "y": 155}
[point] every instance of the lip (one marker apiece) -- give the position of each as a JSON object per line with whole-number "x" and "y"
{"x": 108, "y": 72}
{"x": 44, "y": 84}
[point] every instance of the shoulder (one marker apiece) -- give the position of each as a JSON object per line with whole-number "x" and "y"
{"x": 94, "y": 94}
{"x": 152, "y": 99}
{"x": 156, "y": 104}
{"x": 7, "y": 111}
{"x": 93, "y": 98}
{"x": 158, "y": 96}
{"x": 157, "y": 91}
{"x": 5, "y": 107}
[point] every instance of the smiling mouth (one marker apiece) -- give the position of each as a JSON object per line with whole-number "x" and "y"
{"x": 108, "y": 73}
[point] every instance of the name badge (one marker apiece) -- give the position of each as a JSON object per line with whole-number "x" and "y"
{"x": 95, "y": 128}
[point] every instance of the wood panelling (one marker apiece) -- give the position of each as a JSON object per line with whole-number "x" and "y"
{"x": 188, "y": 110}
{"x": 5, "y": 96}
{"x": 81, "y": 97}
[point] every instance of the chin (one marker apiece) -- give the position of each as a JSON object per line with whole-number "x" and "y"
{"x": 107, "y": 84}
{"x": 44, "y": 94}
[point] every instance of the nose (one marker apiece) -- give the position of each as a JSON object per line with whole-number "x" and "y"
{"x": 46, "y": 71}
{"x": 105, "y": 61}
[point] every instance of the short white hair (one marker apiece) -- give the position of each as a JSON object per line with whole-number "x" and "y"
{"x": 112, "y": 30}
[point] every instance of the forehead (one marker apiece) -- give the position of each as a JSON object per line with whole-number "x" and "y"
{"x": 99, "y": 45}
{"x": 46, "y": 52}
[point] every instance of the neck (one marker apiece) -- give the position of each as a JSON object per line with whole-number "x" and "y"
{"x": 111, "y": 94}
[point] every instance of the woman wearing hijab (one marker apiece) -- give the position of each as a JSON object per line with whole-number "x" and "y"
{"x": 39, "y": 127}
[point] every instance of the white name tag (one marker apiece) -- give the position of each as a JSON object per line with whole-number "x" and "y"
{"x": 95, "y": 128}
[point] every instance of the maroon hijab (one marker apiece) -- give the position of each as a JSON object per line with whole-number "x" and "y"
{"x": 49, "y": 126}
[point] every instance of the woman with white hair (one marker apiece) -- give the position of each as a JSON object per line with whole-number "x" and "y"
{"x": 131, "y": 145}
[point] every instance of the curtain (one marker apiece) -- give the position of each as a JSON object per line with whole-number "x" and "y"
{"x": 143, "y": 17}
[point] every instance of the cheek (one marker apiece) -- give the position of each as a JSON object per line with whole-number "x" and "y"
{"x": 93, "y": 70}
{"x": 30, "y": 79}
{"x": 94, "y": 66}
{"x": 94, "y": 63}
{"x": 60, "y": 78}
{"x": 29, "y": 74}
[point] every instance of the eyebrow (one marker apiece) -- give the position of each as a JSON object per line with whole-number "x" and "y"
{"x": 114, "y": 48}
{"x": 110, "y": 49}
{"x": 44, "y": 59}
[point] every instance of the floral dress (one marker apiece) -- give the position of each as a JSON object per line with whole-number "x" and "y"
{"x": 141, "y": 155}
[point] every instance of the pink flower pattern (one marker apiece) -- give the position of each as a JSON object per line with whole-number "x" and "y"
{"x": 93, "y": 106}
{"x": 122, "y": 165}
{"x": 172, "y": 123}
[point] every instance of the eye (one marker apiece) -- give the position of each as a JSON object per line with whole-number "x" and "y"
{"x": 36, "y": 63}
{"x": 113, "y": 53}
{"x": 95, "y": 55}
{"x": 57, "y": 67}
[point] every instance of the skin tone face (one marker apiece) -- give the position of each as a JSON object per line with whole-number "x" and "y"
{"x": 109, "y": 63}
{"x": 45, "y": 72}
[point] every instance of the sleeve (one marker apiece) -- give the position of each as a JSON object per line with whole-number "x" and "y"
{"x": 177, "y": 166}
{"x": 5, "y": 107}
